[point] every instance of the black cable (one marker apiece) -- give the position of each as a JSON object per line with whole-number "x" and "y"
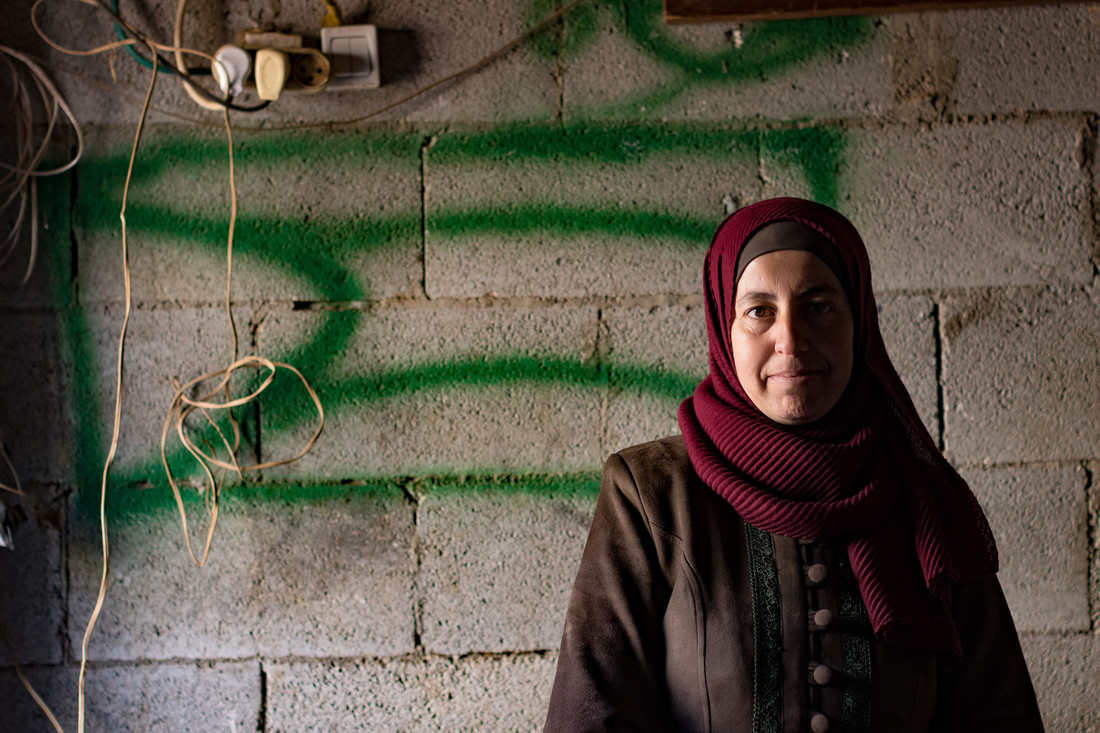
{"x": 172, "y": 68}
{"x": 136, "y": 55}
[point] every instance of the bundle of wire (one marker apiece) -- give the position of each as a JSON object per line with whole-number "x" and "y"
{"x": 33, "y": 97}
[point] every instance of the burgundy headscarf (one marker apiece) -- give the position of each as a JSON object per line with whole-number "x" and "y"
{"x": 868, "y": 472}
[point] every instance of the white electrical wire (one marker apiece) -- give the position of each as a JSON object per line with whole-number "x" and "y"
{"x": 177, "y": 41}
{"x": 19, "y": 182}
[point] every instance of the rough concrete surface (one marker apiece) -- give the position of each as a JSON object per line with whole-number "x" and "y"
{"x": 470, "y": 694}
{"x": 437, "y": 389}
{"x": 908, "y": 328}
{"x": 1039, "y": 521}
{"x": 161, "y": 344}
{"x": 290, "y": 572}
{"x": 210, "y": 696}
{"x": 1066, "y": 674}
{"x": 31, "y": 578}
{"x": 1020, "y": 375}
{"x": 320, "y": 216}
{"x": 35, "y": 429}
{"x": 974, "y": 205}
{"x": 584, "y": 215}
{"x": 488, "y": 557}
{"x": 656, "y": 355}
{"x": 1007, "y": 60}
{"x": 718, "y": 71}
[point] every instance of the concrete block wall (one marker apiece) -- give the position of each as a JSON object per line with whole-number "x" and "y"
{"x": 492, "y": 287}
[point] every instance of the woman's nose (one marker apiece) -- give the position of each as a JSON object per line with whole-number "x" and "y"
{"x": 791, "y": 337}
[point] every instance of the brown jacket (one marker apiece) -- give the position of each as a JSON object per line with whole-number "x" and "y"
{"x": 659, "y": 635}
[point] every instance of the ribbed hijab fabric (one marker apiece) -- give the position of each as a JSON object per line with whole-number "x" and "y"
{"x": 868, "y": 472}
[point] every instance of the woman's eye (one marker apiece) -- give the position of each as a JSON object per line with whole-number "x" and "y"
{"x": 757, "y": 312}
{"x": 821, "y": 306}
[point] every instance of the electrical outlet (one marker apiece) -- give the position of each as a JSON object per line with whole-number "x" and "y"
{"x": 353, "y": 53}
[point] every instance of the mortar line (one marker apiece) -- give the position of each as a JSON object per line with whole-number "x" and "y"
{"x": 258, "y": 317}
{"x": 74, "y": 259}
{"x": 941, "y": 412}
{"x": 418, "y": 560}
{"x": 1088, "y": 157}
{"x": 605, "y": 394}
{"x": 261, "y": 717}
{"x": 63, "y": 548}
{"x": 1092, "y": 556}
{"x": 426, "y": 143}
{"x": 559, "y": 73}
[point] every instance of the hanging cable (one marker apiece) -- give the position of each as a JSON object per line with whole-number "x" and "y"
{"x": 136, "y": 55}
{"x": 136, "y": 36}
{"x": 19, "y": 184}
{"x": 177, "y": 40}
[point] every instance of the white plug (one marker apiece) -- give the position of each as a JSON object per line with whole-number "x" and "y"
{"x": 232, "y": 65}
{"x": 272, "y": 71}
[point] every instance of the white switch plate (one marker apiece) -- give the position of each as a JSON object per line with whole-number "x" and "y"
{"x": 353, "y": 52}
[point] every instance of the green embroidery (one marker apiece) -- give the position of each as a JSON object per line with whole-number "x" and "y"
{"x": 857, "y": 662}
{"x": 768, "y": 659}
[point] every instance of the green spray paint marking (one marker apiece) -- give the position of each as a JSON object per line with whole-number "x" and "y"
{"x": 488, "y": 371}
{"x": 595, "y": 144}
{"x": 350, "y": 394}
{"x": 126, "y": 501}
{"x": 315, "y": 252}
{"x": 819, "y": 153}
{"x": 764, "y": 48}
{"x": 533, "y": 219}
{"x": 767, "y": 48}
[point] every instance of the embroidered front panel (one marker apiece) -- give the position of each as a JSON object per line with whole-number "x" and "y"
{"x": 857, "y": 662}
{"x": 768, "y": 657}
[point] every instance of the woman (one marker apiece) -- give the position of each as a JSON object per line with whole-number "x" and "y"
{"x": 802, "y": 558}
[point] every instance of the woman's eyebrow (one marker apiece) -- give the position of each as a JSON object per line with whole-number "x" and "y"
{"x": 819, "y": 289}
{"x": 755, "y": 296}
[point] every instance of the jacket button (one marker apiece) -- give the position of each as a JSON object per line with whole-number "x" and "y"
{"x": 819, "y": 723}
{"x": 820, "y": 674}
{"x": 816, "y": 574}
{"x": 819, "y": 620}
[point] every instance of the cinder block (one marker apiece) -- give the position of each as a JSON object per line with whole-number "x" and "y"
{"x": 1020, "y": 374}
{"x": 31, "y": 606}
{"x": 1066, "y": 674}
{"x": 579, "y": 211}
{"x": 34, "y": 424}
{"x": 161, "y": 344}
{"x": 497, "y": 566}
{"x": 322, "y": 216}
{"x": 204, "y": 697}
{"x": 1040, "y": 523}
{"x": 416, "y": 695}
{"x": 908, "y": 328}
{"x": 970, "y": 205}
{"x": 293, "y": 571}
{"x": 656, "y": 357}
{"x": 622, "y": 61}
{"x": 417, "y": 390}
{"x": 1024, "y": 58}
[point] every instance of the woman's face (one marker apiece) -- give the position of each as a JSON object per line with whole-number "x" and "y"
{"x": 792, "y": 336}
